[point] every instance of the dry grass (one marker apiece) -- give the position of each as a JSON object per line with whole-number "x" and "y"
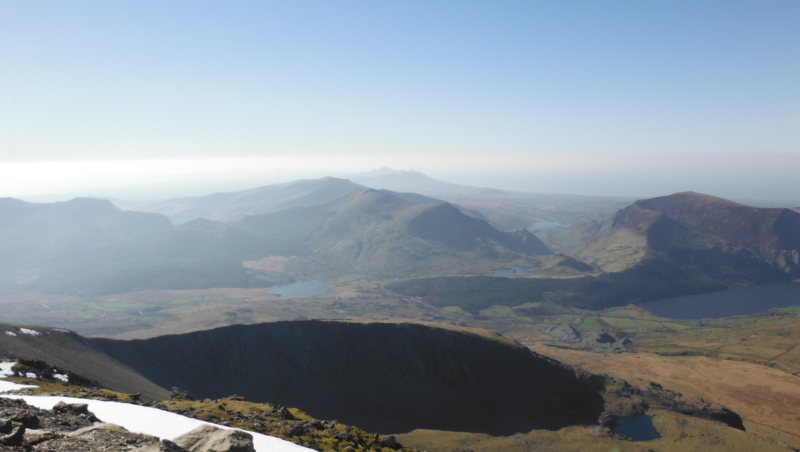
{"x": 679, "y": 434}
{"x": 759, "y": 394}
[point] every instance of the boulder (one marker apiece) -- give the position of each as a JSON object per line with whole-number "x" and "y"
{"x": 75, "y": 409}
{"x": 97, "y": 426}
{"x": 180, "y": 394}
{"x": 6, "y": 426}
{"x": 212, "y": 439}
{"x": 15, "y": 437}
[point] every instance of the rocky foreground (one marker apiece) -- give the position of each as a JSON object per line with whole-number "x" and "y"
{"x": 72, "y": 427}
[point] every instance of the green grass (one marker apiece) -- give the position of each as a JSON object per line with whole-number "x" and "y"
{"x": 590, "y": 323}
{"x": 454, "y": 310}
{"x": 349, "y": 278}
{"x": 503, "y": 312}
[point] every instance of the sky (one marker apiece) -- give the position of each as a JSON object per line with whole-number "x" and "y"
{"x": 149, "y": 99}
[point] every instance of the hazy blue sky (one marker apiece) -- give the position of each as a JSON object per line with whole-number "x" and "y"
{"x": 526, "y": 94}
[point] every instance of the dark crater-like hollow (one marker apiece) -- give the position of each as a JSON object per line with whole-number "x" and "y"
{"x": 382, "y": 377}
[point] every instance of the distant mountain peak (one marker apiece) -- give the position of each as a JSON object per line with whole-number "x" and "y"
{"x": 686, "y": 199}
{"x": 734, "y": 242}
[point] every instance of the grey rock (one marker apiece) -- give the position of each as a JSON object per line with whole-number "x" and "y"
{"x": 74, "y": 408}
{"x": 213, "y": 439}
{"x": 97, "y": 426}
{"x": 29, "y": 420}
{"x": 180, "y": 394}
{"x": 566, "y": 333}
{"x": 15, "y": 437}
{"x": 597, "y": 337}
{"x": 391, "y": 442}
{"x": 165, "y": 446}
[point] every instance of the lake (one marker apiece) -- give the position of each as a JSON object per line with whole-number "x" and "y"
{"x": 300, "y": 289}
{"x": 727, "y": 303}
{"x": 509, "y": 272}
{"x": 637, "y": 428}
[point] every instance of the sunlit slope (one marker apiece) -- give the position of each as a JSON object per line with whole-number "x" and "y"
{"x": 379, "y": 233}
{"x": 725, "y": 240}
{"x": 658, "y": 248}
{"x": 504, "y": 209}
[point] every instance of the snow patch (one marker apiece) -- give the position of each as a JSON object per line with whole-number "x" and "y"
{"x": 11, "y": 333}
{"x": 31, "y": 375}
{"x": 5, "y": 369}
{"x": 27, "y": 331}
{"x": 62, "y": 377}
{"x": 5, "y": 372}
{"x": 155, "y": 422}
{"x": 7, "y": 386}
{"x": 62, "y": 331}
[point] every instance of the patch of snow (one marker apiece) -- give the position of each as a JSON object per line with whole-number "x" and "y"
{"x": 62, "y": 377}
{"x": 62, "y": 331}
{"x": 7, "y": 386}
{"x": 152, "y": 421}
{"x": 11, "y": 333}
{"x": 31, "y": 375}
{"x": 5, "y": 369}
{"x": 27, "y": 331}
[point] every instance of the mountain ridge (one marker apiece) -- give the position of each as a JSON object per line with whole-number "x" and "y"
{"x": 674, "y": 226}
{"x": 89, "y": 244}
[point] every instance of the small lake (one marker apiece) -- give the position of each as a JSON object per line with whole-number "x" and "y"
{"x": 637, "y": 428}
{"x": 509, "y": 272}
{"x": 300, "y": 289}
{"x": 727, "y": 303}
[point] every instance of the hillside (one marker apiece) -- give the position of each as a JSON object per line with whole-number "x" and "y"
{"x": 682, "y": 244}
{"x": 256, "y": 201}
{"x": 90, "y": 246}
{"x": 70, "y": 352}
{"x": 504, "y": 209}
{"x": 232, "y": 206}
{"x": 379, "y": 233}
{"x": 725, "y": 240}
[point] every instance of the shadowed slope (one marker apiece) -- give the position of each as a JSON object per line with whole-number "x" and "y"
{"x": 381, "y": 377}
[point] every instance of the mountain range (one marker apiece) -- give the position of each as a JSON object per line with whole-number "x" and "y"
{"x": 681, "y": 244}
{"x": 89, "y": 244}
{"x": 504, "y": 209}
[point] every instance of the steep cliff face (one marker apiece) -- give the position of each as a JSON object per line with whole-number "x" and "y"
{"x": 382, "y": 377}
